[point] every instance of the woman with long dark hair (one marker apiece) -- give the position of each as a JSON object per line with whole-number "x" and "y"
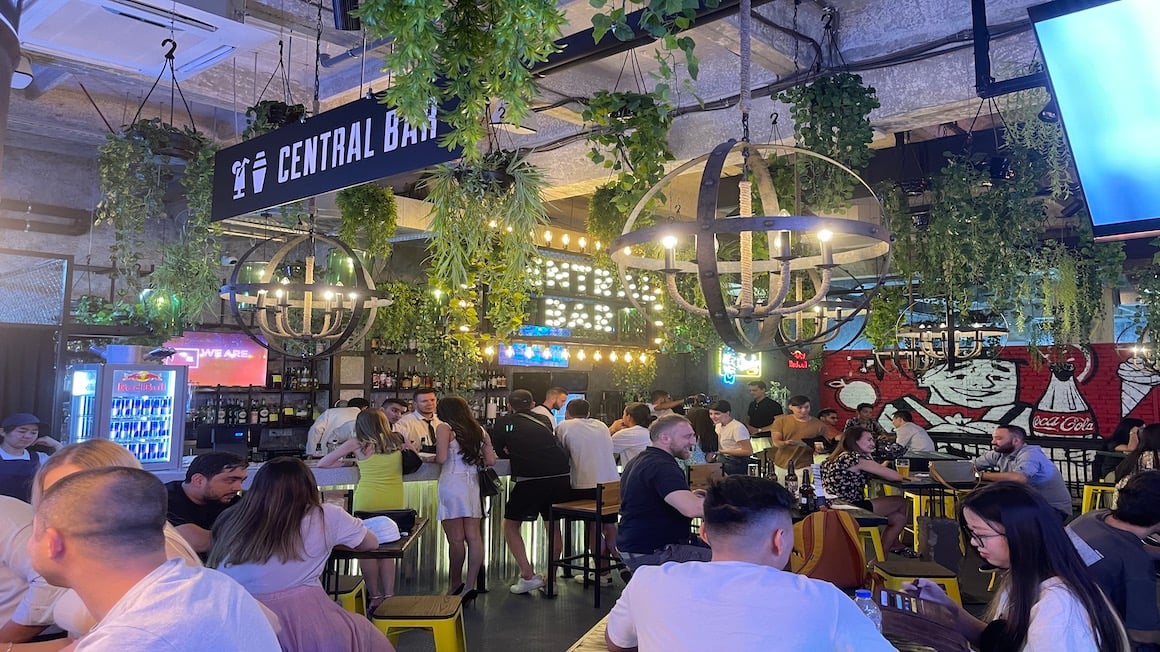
{"x": 1048, "y": 600}
{"x": 1145, "y": 455}
{"x": 378, "y": 451}
{"x": 706, "y": 433}
{"x": 844, "y": 475}
{"x": 275, "y": 542}
{"x": 462, "y": 446}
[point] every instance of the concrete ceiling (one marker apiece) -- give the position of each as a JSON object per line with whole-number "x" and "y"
{"x": 916, "y": 53}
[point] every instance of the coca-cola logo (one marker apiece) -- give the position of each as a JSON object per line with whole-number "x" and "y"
{"x": 1064, "y": 424}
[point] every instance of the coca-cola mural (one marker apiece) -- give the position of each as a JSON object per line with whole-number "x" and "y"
{"x": 1085, "y": 394}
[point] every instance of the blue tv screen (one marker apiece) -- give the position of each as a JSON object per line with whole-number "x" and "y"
{"x": 1103, "y": 58}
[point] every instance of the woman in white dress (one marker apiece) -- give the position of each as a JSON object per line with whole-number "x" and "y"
{"x": 462, "y": 446}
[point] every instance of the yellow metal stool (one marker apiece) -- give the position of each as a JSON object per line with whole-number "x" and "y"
{"x": 895, "y": 575}
{"x": 920, "y": 505}
{"x": 1094, "y": 496}
{"x": 350, "y": 592}
{"x": 442, "y": 614}
{"x": 872, "y": 534}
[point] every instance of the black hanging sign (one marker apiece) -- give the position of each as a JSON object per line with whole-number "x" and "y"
{"x": 352, "y": 144}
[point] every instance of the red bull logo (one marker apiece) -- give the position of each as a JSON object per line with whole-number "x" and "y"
{"x": 141, "y": 381}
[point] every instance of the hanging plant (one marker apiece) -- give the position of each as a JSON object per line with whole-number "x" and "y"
{"x": 661, "y": 19}
{"x": 186, "y": 281}
{"x": 831, "y": 117}
{"x": 369, "y": 216}
{"x": 1147, "y": 280}
{"x": 463, "y": 54}
{"x": 268, "y": 115}
{"x": 483, "y": 222}
{"x": 132, "y": 187}
{"x": 635, "y": 380}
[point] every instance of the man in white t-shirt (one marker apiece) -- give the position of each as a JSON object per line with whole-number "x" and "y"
{"x": 747, "y": 523}
{"x": 590, "y": 448}
{"x": 335, "y": 425}
{"x": 26, "y": 599}
{"x": 909, "y": 434}
{"x": 734, "y": 447}
{"x": 554, "y": 399}
{"x": 99, "y": 532}
{"x": 630, "y": 432}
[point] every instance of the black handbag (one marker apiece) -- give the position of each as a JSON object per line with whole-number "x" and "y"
{"x": 411, "y": 461}
{"x": 404, "y": 518}
{"x": 488, "y": 482}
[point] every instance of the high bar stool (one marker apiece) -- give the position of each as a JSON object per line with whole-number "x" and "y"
{"x": 1094, "y": 496}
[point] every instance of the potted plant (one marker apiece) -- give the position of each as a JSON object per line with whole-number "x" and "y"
{"x": 464, "y": 56}
{"x": 268, "y": 115}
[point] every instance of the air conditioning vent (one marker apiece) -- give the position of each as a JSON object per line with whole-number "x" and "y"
{"x": 130, "y": 33}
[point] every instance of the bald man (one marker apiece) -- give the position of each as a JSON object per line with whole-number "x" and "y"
{"x": 99, "y": 532}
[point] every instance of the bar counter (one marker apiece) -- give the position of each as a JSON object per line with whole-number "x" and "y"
{"x": 339, "y": 476}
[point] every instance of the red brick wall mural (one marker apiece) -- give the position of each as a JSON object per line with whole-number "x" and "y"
{"x": 1086, "y": 396}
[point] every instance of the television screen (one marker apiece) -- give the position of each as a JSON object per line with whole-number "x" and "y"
{"x": 1103, "y": 58}
{"x": 229, "y": 359}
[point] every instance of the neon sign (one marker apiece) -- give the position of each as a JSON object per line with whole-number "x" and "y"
{"x": 732, "y": 365}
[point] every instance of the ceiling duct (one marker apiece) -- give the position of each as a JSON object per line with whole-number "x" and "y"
{"x": 130, "y": 33}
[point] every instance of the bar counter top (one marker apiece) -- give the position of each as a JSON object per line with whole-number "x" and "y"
{"x": 343, "y": 475}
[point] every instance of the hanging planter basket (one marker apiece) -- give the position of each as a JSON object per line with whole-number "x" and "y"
{"x": 165, "y": 140}
{"x": 268, "y": 115}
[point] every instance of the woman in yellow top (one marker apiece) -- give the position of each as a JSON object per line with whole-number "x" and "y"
{"x": 378, "y": 450}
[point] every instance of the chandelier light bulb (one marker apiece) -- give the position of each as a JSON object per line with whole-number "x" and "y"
{"x": 669, "y": 241}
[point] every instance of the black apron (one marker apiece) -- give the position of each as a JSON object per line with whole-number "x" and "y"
{"x": 16, "y": 476}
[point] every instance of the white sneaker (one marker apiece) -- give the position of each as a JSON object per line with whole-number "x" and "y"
{"x": 523, "y": 586}
{"x": 605, "y": 580}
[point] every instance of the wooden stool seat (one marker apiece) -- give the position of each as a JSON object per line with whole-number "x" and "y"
{"x": 594, "y": 513}
{"x": 442, "y": 614}
{"x": 895, "y": 575}
{"x": 1094, "y": 496}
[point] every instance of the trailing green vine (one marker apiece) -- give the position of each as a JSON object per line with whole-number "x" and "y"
{"x": 483, "y": 224}
{"x": 635, "y": 380}
{"x": 466, "y": 54}
{"x": 831, "y": 117}
{"x": 369, "y": 217}
{"x": 661, "y": 19}
{"x": 631, "y": 139}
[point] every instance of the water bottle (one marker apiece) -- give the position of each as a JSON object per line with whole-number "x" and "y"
{"x": 866, "y": 604}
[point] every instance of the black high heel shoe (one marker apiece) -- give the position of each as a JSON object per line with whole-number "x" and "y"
{"x": 469, "y": 598}
{"x": 458, "y": 589}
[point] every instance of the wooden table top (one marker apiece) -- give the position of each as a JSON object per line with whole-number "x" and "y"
{"x": 393, "y": 550}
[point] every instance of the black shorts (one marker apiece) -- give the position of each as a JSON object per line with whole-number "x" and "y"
{"x": 530, "y": 499}
{"x": 864, "y": 504}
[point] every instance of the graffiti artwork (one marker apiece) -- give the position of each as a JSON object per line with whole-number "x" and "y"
{"x": 1084, "y": 395}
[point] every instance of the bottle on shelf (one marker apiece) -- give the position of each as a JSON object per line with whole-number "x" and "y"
{"x": 405, "y": 380}
{"x": 375, "y": 383}
{"x": 791, "y": 480}
{"x": 416, "y": 379}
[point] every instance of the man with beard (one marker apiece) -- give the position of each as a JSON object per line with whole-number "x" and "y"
{"x": 1013, "y": 459}
{"x": 656, "y": 506}
{"x": 212, "y": 483}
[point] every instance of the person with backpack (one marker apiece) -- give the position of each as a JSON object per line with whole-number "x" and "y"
{"x": 844, "y": 477}
{"x": 748, "y": 524}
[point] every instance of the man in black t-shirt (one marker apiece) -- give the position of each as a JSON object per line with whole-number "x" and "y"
{"x": 762, "y": 410}
{"x": 540, "y": 468}
{"x": 656, "y": 506}
{"x": 212, "y": 483}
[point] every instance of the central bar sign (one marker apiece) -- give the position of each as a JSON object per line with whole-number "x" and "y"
{"x": 352, "y": 144}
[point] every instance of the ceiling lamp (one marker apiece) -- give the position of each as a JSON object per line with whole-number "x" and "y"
{"x": 289, "y": 310}
{"x": 932, "y": 332}
{"x": 745, "y": 281}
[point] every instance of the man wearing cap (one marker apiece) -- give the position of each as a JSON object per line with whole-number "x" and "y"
{"x": 733, "y": 439}
{"x": 18, "y": 465}
{"x": 334, "y": 425}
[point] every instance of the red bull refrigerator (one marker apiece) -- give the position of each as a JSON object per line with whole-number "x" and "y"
{"x": 139, "y": 406}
